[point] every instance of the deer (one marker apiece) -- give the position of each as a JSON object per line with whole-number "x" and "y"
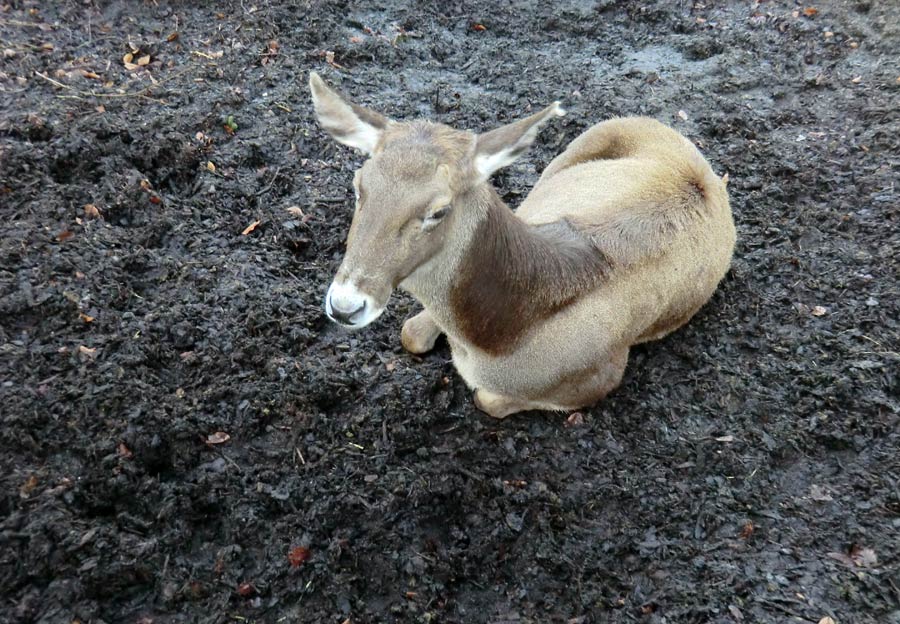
{"x": 624, "y": 237}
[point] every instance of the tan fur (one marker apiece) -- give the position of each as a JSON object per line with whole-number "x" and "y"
{"x": 624, "y": 237}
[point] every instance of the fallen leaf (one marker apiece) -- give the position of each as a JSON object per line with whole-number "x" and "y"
{"x": 856, "y": 556}
{"x": 128, "y": 58}
{"x": 91, "y": 211}
{"x": 144, "y": 60}
{"x": 819, "y": 311}
{"x": 865, "y": 557}
{"x": 250, "y": 228}
{"x": 818, "y": 493}
{"x": 210, "y": 167}
{"x": 297, "y": 211}
{"x": 64, "y": 236}
{"x": 329, "y": 58}
{"x": 297, "y": 556}
{"x": 27, "y": 488}
{"x": 100, "y": 108}
{"x": 727, "y": 438}
{"x": 131, "y": 66}
{"x": 810, "y": 11}
{"x": 219, "y": 437}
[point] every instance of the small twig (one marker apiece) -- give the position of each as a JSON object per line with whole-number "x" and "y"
{"x": 55, "y": 82}
{"x": 271, "y": 183}
{"x": 130, "y": 94}
{"x": 25, "y": 24}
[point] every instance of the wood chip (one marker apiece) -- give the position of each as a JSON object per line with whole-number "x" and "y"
{"x": 219, "y": 437}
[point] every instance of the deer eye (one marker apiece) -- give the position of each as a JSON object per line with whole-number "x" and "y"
{"x": 435, "y": 217}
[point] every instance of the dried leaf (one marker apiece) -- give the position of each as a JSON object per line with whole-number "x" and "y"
{"x": 91, "y": 211}
{"x": 865, "y": 557}
{"x": 131, "y": 66}
{"x": 250, "y": 228}
{"x": 297, "y": 556}
{"x": 128, "y": 58}
{"x": 210, "y": 167}
{"x": 219, "y": 437}
{"x": 810, "y": 11}
{"x": 144, "y": 60}
{"x": 100, "y": 108}
{"x": 27, "y": 488}
{"x": 819, "y": 311}
{"x": 818, "y": 493}
{"x": 297, "y": 211}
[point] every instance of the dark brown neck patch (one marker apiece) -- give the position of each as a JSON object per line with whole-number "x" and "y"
{"x": 516, "y": 275}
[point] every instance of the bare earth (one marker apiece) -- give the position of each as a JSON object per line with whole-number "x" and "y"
{"x": 185, "y": 438}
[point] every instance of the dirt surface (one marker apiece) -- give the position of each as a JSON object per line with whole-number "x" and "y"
{"x": 747, "y": 470}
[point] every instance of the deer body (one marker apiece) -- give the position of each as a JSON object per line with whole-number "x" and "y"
{"x": 624, "y": 237}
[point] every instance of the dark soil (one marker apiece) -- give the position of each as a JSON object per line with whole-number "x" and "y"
{"x": 747, "y": 470}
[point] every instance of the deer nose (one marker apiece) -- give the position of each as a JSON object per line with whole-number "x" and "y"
{"x": 344, "y": 315}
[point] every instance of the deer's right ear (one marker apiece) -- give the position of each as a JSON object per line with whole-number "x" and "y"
{"x": 348, "y": 123}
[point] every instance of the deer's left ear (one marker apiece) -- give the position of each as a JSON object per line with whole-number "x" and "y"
{"x": 347, "y": 122}
{"x": 500, "y": 147}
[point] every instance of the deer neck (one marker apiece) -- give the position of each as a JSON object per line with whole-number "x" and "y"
{"x": 503, "y": 276}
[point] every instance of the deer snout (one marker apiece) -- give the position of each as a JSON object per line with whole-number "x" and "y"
{"x": 349, "y": 306}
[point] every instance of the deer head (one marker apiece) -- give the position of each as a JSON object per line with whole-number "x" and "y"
{"x": 413, "y": 195}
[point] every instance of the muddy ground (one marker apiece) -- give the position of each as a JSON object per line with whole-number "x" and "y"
{"x": 747, "y": 469}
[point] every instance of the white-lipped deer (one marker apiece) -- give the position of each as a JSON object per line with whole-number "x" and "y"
{"x": 624, "y": 237}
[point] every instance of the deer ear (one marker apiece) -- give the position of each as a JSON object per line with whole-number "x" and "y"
{"x": 500, "y": 147}
{"x": 348, "y": 123}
